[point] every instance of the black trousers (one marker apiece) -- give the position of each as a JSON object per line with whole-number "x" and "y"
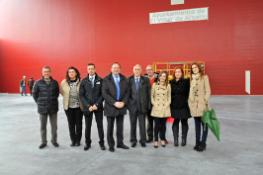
{"x": 133, "y": 121}
{"x": 175, "y": 128}
{"x": 119, "y": 132}
{"x": 88, "y": 123}
{"x": 150, "y": 120}
{"x": 165, "y": 124}
{"x": 30, "y": 89}
{"x": 159, "y": 128}
{"x": 74, "y": 116}
{"x": 200, "y": 128}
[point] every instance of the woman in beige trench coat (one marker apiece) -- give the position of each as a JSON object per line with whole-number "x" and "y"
{"x": 198, "y": 103}
{"x": 161, "y": 100}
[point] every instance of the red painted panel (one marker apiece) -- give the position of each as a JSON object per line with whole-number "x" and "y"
{"x": 74, "y": 32}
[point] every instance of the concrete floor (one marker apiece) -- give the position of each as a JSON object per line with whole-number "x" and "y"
{"x": 239, "y": 152}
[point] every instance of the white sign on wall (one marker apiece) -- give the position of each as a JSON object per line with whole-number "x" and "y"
{"x": 176, "y": 2}
{"x": 195, "y": 14}
{"x": 247, "y": 81}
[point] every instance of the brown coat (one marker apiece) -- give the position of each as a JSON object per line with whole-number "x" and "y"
{"x": 161, "y": 100}
{"x": 199, "y": 95}
{"x": 64, "y": 91}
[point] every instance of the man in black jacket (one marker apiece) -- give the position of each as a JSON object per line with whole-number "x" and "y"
{"x": 139, "y": 104}
{"x": 115, "y": 91}
{"x": 91, "y": 98}
{"x": 45, "y": 94}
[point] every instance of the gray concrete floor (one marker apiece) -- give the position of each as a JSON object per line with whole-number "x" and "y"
{"x": 239, "y": 152}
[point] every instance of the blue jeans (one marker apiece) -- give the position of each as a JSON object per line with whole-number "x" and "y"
{"x": 199, "y": 125}
{"x": 23, "y": 90}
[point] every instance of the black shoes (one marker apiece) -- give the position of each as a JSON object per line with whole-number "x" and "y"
{"x": 75, "y": 144}
{"x": 143, "y": 144}
{"x": 149, "y": 140}
{"x": 133, "y": 144}
{"x": 176, "y": 142}
{"x": 111, "y": 149}
{"x": 102, "y": 147}
{"x": 72, "y": 144}
{"x": 55, "y": 144}
{"x": 43, "y": 145}
{"x": 86, "y": 147}
{"x": 122, "y": 146}
{"x": 183, "y": 142}
{"x": 203, "y": 146}
{"x": 200, "y": 147}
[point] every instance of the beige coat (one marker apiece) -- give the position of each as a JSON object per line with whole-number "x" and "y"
{"x": 199, "y": 95}
{"x": 64, "y": 91}
{"x": 161, "y": 100}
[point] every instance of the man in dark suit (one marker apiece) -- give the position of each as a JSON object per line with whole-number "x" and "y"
{"x": 153, "y": 76}
{"x": 115, "y": 91}
{"x": 92, "y": 101}
{"x": 139, "y": 104}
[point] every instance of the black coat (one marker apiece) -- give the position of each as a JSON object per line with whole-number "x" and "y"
{"x": 179, "y": 96}
{"x": 46, "y": 96}
{"x": 141, "y": 101}
{"x": 109, "y": 94}
{"x": 91, "y": 95}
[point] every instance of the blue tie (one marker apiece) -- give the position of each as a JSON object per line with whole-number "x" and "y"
{"x": 137, "y": 84}
{"x": 117, "y": 83}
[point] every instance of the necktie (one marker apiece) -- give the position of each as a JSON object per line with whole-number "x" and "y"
{"x": 137, "y": 84}
{"x": 117, "y": 83}
{"x": 92, "y": 81}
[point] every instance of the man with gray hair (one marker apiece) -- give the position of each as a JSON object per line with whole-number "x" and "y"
{"x": 139, "y": 104}
{"x": 45, "y": 94}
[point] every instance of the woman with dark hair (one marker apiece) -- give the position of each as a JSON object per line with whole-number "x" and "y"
{"x": 70, "y": 91}
{"x": 198, "y": 102}
{"x": 179, "y": 105}
{"x": 161, "y": 100}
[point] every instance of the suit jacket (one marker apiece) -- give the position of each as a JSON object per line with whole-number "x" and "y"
{"x": 91, "y": 95}
{"x": 139, "y": 101}
{"x": 109, "y": 94}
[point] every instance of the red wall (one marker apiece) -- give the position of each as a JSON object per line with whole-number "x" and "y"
{"x": 61, "y": 33}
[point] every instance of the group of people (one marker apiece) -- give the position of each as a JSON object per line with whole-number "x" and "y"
{"x": 146, "y": 97}
{"x": 23, "y": 83}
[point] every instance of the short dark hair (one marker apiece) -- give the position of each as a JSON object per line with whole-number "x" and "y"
{"x": 76, "y": 70}
{"x": 116, "y": 63}
{"x": 46, "y": 67}
{"x": 91, "y": 64}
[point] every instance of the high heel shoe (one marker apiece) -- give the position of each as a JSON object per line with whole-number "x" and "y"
{"x": 155, "y": 145}
{"x": 163, "y": 143}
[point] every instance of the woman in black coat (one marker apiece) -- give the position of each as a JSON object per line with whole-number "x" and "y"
{"x": 179, "y": 105}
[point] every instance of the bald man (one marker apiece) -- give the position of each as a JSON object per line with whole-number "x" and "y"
{"x": 139, "y": 104}
{"x": 115, "y": 91}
